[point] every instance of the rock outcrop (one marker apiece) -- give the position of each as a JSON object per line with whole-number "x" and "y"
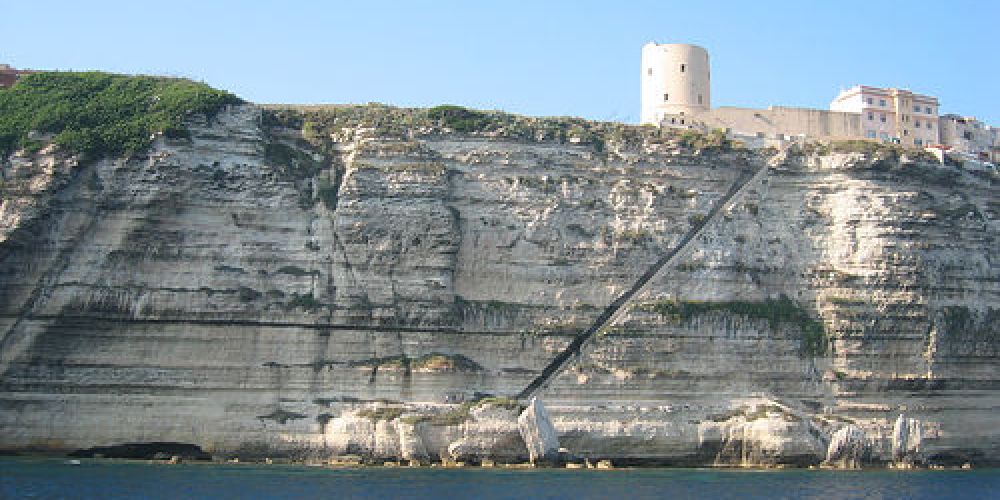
{"x": 538, "y": 433}
{"x": 267, "y": 288}
{"x": 848, "y": 448}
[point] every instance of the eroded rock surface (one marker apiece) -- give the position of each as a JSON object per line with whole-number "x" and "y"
{"x": 260, "y": 296}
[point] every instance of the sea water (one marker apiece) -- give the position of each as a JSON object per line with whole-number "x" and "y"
{"x": 54, "y": 478}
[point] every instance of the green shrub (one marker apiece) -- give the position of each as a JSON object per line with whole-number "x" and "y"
{"x": 292, "y": 162}
{"x": 716, "y": 139}
{"x": 99, "y": 114}
{"x": 458, "y": 118}
{"x": 381, "y": 413}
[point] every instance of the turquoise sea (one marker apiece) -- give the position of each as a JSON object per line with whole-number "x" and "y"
{"x": 52, "y": 478}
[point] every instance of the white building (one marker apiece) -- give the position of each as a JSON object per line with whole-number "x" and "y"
{"x": 676, "y": 92}
{"x": 891, "y": 114}
{"x": 676, "y": 81}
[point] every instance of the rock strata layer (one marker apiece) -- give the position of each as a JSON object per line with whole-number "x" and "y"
{"x": 380, "y": 297}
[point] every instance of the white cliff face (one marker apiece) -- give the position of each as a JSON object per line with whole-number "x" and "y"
{"x": 255, "y": 295}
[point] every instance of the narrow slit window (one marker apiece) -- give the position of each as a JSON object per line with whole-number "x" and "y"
{"x": 699, "y": 99}
{"x": 683, "y": 67}
{"x": 666, "y": 97}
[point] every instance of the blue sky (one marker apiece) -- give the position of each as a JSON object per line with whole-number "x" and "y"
{"x": 533, "y": 57}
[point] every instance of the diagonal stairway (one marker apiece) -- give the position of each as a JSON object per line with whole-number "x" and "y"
{"x": 619, "y": 306}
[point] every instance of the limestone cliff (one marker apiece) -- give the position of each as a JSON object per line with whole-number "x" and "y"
{"x": 270, "y": 286}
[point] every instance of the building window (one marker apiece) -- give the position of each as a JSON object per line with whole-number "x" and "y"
{"x": 881, "y": 102}
{"x": 682, "y": 121}
{"x": 884, "y": 136}
{"x": 916, "y": 123}
{"x": 683, "y": 67}
{"x": 699, "y": 98}
{"x": 882, "y": 117}
{"x": 906, "y": 132}
{"x": 916, "y": 109}
{"x": 665, "y": 97}
{"x": 927, "y": 110}
{"x": 918, "y": 142}
{"x": 870, "y": 134}
{"x": 649, "y": 71}
{"x": 871, "y": 116}
{"x": 930, "y": 125}
{"x": 869, "y": 101}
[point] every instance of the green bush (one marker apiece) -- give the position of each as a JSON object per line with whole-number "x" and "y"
{"x": 381, "y": 413}
{"x": 99, "y": 114}
{"x": 458, "y": 118}
{"x": 294, "y": 163}
{"x": 715, "y": 139}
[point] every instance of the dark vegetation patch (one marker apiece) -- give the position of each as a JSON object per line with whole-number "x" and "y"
{"x": 382, "y": 413}
{"x": 291, "y": 161}
{"x": 296, "y": 271}
{"x": 282, "y": 416}
{"x": 101, "y": 114}
{"x": 814, "y": 341}
{"x": 965, "y": 323}
{"x": 247, "y": 294}
{"x": 304, "y": 301}
{"x": 432, "y": 362}
{"x": 458, "y": 414}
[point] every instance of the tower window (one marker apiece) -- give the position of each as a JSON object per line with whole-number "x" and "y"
{"x": 649, "y": 71}
{"x": 665, "y": 97}
{"x": 683, "y": 67}
{"x": 699, "y": 98}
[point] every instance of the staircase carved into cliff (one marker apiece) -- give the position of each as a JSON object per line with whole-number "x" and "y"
{"x": 619, "y": 306}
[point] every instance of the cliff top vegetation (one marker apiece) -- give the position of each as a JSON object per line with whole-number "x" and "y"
{"x": 319, "y": 122}
{"x": 98, "y": 114}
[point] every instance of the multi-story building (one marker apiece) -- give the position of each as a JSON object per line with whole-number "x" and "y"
{"x": 969, "y": 135}
{"x": 676, "y": 90}
{"x": 891, "y": 114}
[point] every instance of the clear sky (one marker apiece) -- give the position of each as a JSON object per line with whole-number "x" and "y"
{"x": 533, "y": 57}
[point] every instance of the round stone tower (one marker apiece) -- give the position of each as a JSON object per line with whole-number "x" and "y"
{"x": 676, "y": 80}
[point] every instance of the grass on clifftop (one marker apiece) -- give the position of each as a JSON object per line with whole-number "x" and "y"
{"x": 321, "y": 123}
{"x": 100, "y": 114}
